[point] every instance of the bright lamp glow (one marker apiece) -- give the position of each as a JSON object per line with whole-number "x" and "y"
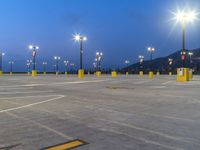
{"x": 78, "y": 37}
{"x": 183, "y": 16}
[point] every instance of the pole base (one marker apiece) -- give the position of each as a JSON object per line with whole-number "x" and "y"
{"x": 34, "y": 73}
{"x": 81, "y": 73}
{"x": 98, "y": 73}
{"x": 1, "y": 73}
{"x": 158, "y": 74}
{"x": 113, "y": 74}
{"x": 141, "y": 73}
{"x": 11, "y": 73}
{"x": 127, "y": 73}
{"x": 44, "y": 73}
{"x": 151, "y": 75}
{"x": 170, "y": 73}
{"x": 182, "y": 74}
{"x": 190, "y": 74}
{"x": 57, "y": 73}
{"x": 66, "y": 73}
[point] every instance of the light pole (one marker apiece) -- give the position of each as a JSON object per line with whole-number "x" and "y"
{"x": 80, "y": 39}
{"x": 170, "y": 62}
{"x": 66, "y": 62}
{"x": 1, "y": 62}
{"x": 57, "y": 58}
{"x": 44, "y": 67}
{"x": 141, "y": 60}
{"x": 185, "y": 17}
{"x": 28, "y": 63}
{"x": 11, "y": 67}
{"x": 190, "y": 59}
{"x": 34, "y": 49}
{"x": 72, "y": 67}
{"x": 151, "y": 51}
{"x": 127, "y": 62}
{"x": 98, "y": 58}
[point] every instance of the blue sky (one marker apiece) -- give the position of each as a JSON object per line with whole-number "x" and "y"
{"x": 121, "y": 29}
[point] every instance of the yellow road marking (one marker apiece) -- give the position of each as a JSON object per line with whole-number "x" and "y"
{"x": 67, "y": 146}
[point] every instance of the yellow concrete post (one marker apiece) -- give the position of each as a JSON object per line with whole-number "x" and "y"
{"x": 170, "y": 73}
{"x": 151, "y": 75}
{"x": 11, "y": 73}
{"x": 57, "y": 73}
{"x": 34, "y": 73}
{"x": 113, "y": 74}
{"x": 1, "y": 73}
{"x": 81, "y": 73}
{"x": 45, "y": 73}
{"x": 98, "y": 73}
{"x": 183, "y": 74}
{"x": 127, "y": 73}
{"x": 141, "y": 73}
{"x": 158, "y": 74}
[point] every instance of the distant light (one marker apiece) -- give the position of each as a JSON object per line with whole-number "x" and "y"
{"x": 78, "y": 37}
{"x": 190, "y": 53}
{"x": 151, "y": 49}
{"x": 33, "y": 47}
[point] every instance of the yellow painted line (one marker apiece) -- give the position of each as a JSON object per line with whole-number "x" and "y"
{"x": 67, "y": 146}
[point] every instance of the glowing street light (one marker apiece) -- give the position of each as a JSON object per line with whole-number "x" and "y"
{"x": 151, "y": 51}
{"x": 66, "y": 62}
{"x": 57, "y": 58}
{"x": 34, "y": 49}
{"x": 141, "y": 60}
{"x": 44, "y": 67}
{"x": 11, "y": 66}
{"x": 170, "y": 63}
{"x": 1, "y": 62}
{"x": 98, "y": 59}
{"x": 185, "y": 17}
{"x": 80, "y": 39}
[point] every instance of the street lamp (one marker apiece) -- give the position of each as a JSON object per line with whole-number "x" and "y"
{"x": 80, "y": 39}
{"x": 170, "y": 62}
{"x": 66, "y": 62}
{"x": 71, "y": 67}
{"x": 127, "y": 62}
{"x": 57, "y": 58}
{"x": 28, "y": 63}
{"x": 151, "y": 51}
{"x": 98, "y": 58}
{"x": 44, "y": 67}
{"x": 141, "y": 60}
{"x": 11, "y": 67}
{"x": 34, "y": 49}
{"x": 185, "y": 17}
{"x": 1, "y": 62}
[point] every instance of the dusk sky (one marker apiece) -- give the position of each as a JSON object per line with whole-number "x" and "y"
{"x": 121, "y": 29}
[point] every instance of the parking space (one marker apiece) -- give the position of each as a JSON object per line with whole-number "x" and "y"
{"x": 122, "y": 113}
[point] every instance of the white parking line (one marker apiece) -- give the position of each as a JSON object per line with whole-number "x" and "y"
{"x": 33, "y": 104}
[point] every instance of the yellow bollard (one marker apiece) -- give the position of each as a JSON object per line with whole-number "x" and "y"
{"x": 1, "y": 73}
{"x": 57, "y": 73}
{"x": 183, "y": 74}
{"x": 44, "y": 73}
{"x": 11, "y": 73}
{"x": 170, "y": 73}
{"x": 34, "y": 73}
{"x": 158, "y": 74}
{"x": 151, "y": 75}
{"x": 141, "y": 73}
{"x": 66, "y": 73}
{"x": 80, "y": 73}
{"x": 98, "y": 73}
{"x": 127, "y": 73}
{"x": 113, "y": 74}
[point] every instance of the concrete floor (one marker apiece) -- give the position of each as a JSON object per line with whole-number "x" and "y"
{"x": 123, "y": 113}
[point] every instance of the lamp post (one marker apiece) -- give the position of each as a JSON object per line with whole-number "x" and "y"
{"x": 141, "y": 60}
{"x": 184, "y": 17}
{"x": 1, "y": 62}
{"x": 190, "y": 59}
{"x": 66, "y": 62}
{"x": 28, "y": 63}
{"x": 127, "y": 62}
{"x": 72, "y": 67}
{"x": 11, "y": 67}
{"x": 151, "y": 51}
{"x": 57, "y": 58}
{"x": 44, "y": 67}
{"x": 34, "y": 49}
{"x": 80, "y": 39}
{"x": 99, "y": 56}
{"x": 170, "y": 62}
